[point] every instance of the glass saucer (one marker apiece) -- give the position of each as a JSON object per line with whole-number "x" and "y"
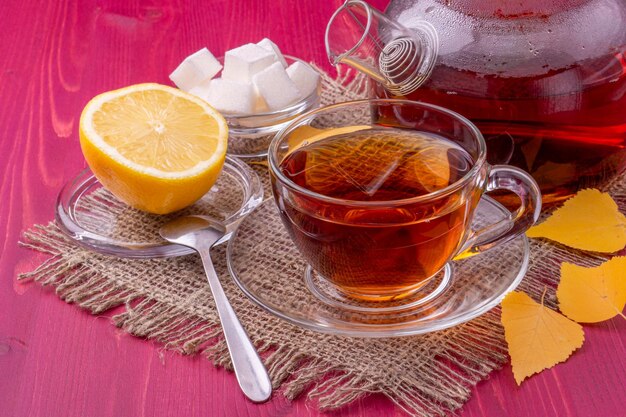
{"x": 95, "y": 219}
{"x": 268, "y": 268}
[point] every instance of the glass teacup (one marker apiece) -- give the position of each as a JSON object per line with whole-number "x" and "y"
{"x": 378, "y": 195}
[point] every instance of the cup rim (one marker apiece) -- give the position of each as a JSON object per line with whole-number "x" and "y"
{"x": 460, "y": 183}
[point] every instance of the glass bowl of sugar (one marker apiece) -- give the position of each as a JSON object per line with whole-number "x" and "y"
{"x": 274, "y": 104}
{"x": 255, "y": 87}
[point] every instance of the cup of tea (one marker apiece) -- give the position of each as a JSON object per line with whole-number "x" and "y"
{"x": 378, "y": 195}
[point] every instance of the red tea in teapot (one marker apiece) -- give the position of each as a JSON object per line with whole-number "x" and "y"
{"x": 568, "y": 138}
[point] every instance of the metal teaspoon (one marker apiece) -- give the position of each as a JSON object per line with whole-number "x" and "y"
{"x": 201, "y": 233}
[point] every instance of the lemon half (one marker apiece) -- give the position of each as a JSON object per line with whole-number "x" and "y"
{"x": 154, "y": 147}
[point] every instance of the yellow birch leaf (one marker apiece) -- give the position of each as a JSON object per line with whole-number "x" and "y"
{"x": 589, "y": 221}
{"x": 590, "y": 295}
{"x": 538, "y": 337}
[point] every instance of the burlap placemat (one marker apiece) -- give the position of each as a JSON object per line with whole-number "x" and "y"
{"x": 168, "y": 300}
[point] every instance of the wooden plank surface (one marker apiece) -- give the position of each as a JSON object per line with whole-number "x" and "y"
{"x": 56, "y": 360}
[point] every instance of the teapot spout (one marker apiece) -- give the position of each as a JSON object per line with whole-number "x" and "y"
{"x": 365, "y": 39}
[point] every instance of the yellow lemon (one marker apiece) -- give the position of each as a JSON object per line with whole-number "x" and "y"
{"x": 154, "y": 147}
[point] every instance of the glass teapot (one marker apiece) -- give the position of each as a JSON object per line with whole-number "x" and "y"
{"x": 544, "y": 80}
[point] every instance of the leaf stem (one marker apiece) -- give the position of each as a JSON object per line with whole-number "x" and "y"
{"x": 543, "y": 295}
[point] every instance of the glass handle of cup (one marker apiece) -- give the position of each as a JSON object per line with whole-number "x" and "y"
{"x": 505, "y": 177}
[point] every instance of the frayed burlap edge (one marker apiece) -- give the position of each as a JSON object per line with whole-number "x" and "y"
{"x": 442, "y": 367}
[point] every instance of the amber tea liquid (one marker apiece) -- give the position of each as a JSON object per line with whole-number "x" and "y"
{"x": 386, "y": 248}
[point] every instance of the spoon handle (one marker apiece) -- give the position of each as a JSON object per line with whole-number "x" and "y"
{"x": 251, "y": 374}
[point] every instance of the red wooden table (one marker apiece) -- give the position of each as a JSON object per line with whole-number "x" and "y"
{"x": 56, "y": 360}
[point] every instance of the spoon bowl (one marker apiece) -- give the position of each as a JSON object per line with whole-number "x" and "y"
{"x": 193, "y": 231}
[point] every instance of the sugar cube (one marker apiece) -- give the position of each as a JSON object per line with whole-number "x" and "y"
{"x": 194, "y": 69}
{"x": 271, "y": 46}
{"x": 201, "y": 90}
{"x": 231, "y": 97}
{"x": 305, "y": 77}
{"x": 275, "y": 86}
{"x": 240, "y": 64}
